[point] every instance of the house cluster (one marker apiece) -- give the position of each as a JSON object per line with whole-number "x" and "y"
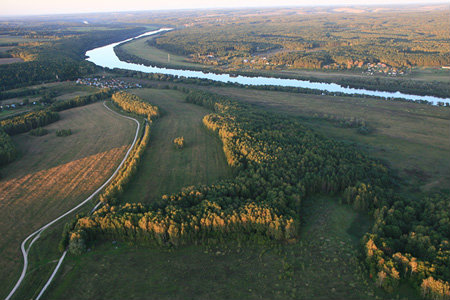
{"x": 111, "y": 83}
{"x": 381, "y": 68}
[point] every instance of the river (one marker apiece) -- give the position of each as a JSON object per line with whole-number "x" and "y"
{"x": 106, "y": 57}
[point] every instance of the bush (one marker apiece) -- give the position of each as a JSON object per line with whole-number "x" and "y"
{"x": 364, "y": 130}
{"x": 38, "y": 131}
{"x": 179, "y": 142}
{"x": 63, "y": 132}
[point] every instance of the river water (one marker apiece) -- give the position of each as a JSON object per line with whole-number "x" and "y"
{"x": 106, "y": 57}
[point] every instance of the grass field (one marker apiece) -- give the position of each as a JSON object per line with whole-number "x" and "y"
{"x": 323, "y": 265}
{"x": 165, "y": 169}
{"x": 53, "y": 174}
{"x": 412, "y": 138}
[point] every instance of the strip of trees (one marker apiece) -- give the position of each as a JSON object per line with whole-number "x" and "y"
{"x": 132, "y": 103}
{"x": 81, "y": 100}
{"x": 28, "y": 121}
{"x": 8, "y": 151}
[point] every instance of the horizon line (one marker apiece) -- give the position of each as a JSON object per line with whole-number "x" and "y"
{"x": 394, "y": 4}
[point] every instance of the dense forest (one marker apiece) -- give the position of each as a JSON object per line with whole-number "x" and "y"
{"x": 314, "y": 41}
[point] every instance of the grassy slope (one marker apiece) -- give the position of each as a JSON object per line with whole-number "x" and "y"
{"x": 412, "y": 138}
{"x": 165, "y": 169}
{"x": 323, "y": 265}
{"x": 53, "y": 174}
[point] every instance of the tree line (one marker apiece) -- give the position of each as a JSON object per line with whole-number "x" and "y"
{"x": 132, "y": 103}
{"x": 28, "y": 121}
{"x": 81, "y": 100}
{"x": 8, "y": 150}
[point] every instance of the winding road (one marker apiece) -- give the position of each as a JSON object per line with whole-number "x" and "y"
{"x": 36, "y": 235}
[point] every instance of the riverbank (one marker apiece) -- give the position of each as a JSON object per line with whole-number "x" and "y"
{"x": 139, "y": 52}
{"x": 106, "y": 57}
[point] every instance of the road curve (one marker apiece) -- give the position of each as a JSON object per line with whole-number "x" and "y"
{"x": 35, "y": 235}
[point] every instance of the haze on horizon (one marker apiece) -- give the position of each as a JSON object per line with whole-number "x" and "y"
{"x": 43, "y": 7}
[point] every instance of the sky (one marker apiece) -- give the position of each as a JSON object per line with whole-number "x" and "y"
{"x": 36, "y": 7}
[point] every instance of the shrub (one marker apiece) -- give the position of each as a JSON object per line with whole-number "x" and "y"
{"x": 179, "y": 142}
{"x": 63, "y": 132}
{"x": 38, "y": 131}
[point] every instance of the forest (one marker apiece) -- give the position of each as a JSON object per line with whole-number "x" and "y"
{"x": 332, "y": 41}
{"x": 61, "y": 58}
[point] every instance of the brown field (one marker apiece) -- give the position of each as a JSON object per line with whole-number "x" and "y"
{"x": 53, "y": 174}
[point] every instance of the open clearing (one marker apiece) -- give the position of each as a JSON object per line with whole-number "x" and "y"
{"x": 53, "y": 174}
{"x": 322, "y": 265}
{"x": 165, "y": 169}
